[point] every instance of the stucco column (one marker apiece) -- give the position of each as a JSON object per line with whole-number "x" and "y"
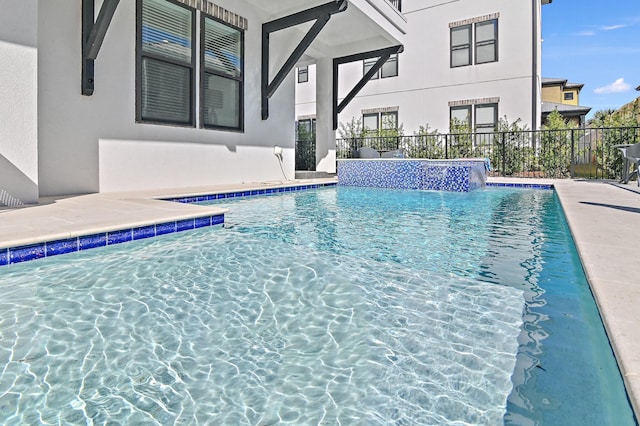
{"x": 325, "y": 135}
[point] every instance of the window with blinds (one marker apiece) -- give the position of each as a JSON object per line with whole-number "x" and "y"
{"x": 222, "y": 75}
{"x": 167, "y": 49}
{"x": 166, "y": 63}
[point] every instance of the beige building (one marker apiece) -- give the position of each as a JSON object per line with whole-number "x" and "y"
{"x": 563, "y": 96}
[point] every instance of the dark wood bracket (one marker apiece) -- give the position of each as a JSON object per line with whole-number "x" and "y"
{"x": 92, "y": 37}
{"x": 382, "y": 54}
{"x": 321, "y": 14}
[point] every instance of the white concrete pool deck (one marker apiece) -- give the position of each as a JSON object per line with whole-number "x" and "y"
{"x": 603, "y": 219}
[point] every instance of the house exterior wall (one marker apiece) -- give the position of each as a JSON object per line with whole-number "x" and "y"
{"x": 19, "y": 106}
{"x": 575, "y": 97}
{"x": 427, "y": 84}
{"x": 93, "y": 143}
{"x": 552, "y": 94}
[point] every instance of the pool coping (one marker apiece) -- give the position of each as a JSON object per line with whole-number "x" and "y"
{"x": 166, "y": 213}
{"x": 602, "y": 217}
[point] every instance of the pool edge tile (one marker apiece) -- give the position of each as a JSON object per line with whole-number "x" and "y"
{"x": 27, "y": 253}
{"x": 58, "y": 247}
{"x": 119, "y": 237}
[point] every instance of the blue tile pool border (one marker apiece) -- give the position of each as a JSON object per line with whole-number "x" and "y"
{"x": 521, "y": 185}
{"x": 26, "y": 253}
{"x": 248, "y": 193}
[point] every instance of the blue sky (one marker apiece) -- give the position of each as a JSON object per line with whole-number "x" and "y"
{"x": 596, "y": 43}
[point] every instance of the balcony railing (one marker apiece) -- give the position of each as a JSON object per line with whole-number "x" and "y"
{"x": 576, "y": 153}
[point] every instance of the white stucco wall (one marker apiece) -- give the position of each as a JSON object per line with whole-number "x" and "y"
{"x": 90, "y": 144}
{"x": 18, "y": 102}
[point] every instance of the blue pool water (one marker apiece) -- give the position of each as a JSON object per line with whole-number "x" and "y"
{"x": 335, "y": 306}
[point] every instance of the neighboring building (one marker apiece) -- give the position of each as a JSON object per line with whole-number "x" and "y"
{"x": 558, "y": 94}
{"x": 166, "y": 93}
{"x": 476, "y": 61}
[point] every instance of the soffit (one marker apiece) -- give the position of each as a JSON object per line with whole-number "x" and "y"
{"x": 360, "y": 28}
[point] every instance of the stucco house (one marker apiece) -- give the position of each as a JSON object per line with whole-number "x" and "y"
{"x": 476, "y": 61}
{"x": 110, "y": 95}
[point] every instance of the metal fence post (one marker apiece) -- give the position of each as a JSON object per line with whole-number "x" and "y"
{"x": 573, "y": 153}
{"x": 446, "y": 147}
{"x": 504, "y": 154}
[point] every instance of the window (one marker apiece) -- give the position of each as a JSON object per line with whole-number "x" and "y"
{"x": 485, "y": 43}
{"x": 389, "y": 68}
{"x": 460, "y": 116}
{"x": 389, "y": 120}
{"x": 568, "y": 96}
{"x": 303, "y": 74}
{"x": 375, "y": 121}
{"x": 370, "y": 121}
{"x": 306, "y": 129}
{"x": 166, "y": 56}
{"x": 461, "y": 46}
{"x": 166, "y": 63}
{"x": 222, "y": 75}
{"x": 485, "y": 118}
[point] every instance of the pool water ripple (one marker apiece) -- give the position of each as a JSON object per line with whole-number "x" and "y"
{"x": 323, "y": 307}
{"x": 212, "y": 340}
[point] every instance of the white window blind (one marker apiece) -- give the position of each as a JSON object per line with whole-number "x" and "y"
{"x": 223, "y": 75}
{"x": 166, "y": 81}
{"x": 221, "y": 48}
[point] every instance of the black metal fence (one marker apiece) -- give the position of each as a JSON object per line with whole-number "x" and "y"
{"x": 576, "y": 153}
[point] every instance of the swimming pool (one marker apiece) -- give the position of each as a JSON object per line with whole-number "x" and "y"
{"x": 345, "y": 305}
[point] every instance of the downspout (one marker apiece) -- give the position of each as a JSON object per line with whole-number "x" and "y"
{"x": 534, "y": 62}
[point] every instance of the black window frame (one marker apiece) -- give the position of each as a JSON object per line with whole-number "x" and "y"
{"x": 204, "y": 71}
{"x": 371, "y": 114}
{"x": 474, "y": 44}
{"x": 457, "y": 47}
{"x": 303, "y": 71}
{"x": 468, "y": 108}
{"x": 483, "y": 43}
{"x": 393, "y": 59}
{"x": 309, "y": 125}
{"x": 367, "y": 64}
{"x": 141, "y": 55}
{"x": 383, "y": 115}
{"x": 568, "y": 96}
{"x": 484, "y": 125}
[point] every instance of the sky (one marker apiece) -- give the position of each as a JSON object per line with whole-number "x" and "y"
{"x": 596, "y": 43}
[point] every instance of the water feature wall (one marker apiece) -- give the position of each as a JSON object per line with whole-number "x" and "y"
{"x": 441, "y": 175}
